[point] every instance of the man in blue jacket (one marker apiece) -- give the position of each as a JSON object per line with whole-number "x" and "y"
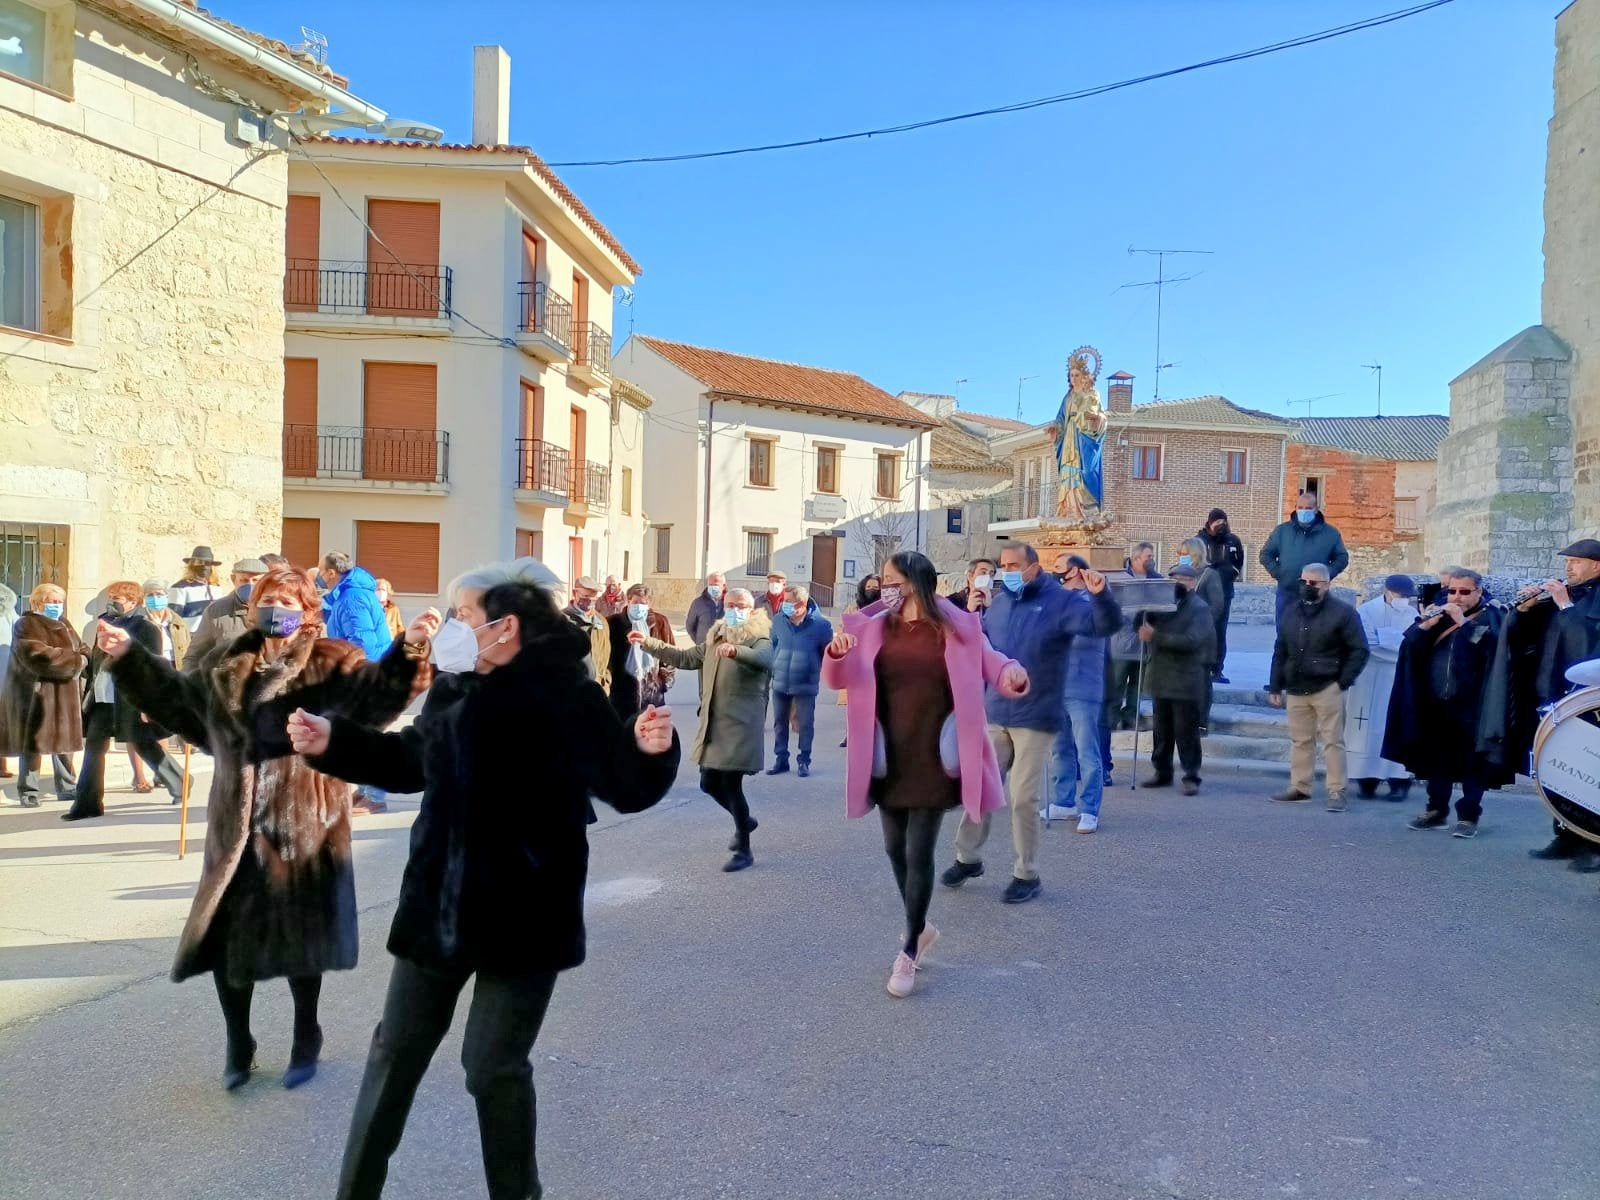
{"x": 1080, "y": 747}
{"x": 800, "y": 634}
{"x": 1033, "y": 620}
{"x": 351, "y": 611}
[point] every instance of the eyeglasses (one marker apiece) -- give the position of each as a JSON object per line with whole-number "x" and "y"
{"x": 1460, "y": 591}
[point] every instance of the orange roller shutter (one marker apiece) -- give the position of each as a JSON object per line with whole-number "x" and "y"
{"x": 300, "y": 417}
{"x": 404, "y": 279}
{"x": 406, "y": 553}
{"x": 400, "y": 401}
{"x": 302, "y": 541}
{"x": 302, "y": 250}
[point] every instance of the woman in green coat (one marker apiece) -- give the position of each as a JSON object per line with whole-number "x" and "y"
{"x": 735, "y": 666}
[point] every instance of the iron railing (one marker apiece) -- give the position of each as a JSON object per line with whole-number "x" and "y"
{"x": 1020, "y": 504}
{"x": 380, "y": 289}
{"x": 356, "y": 452}
{"x": 542, "y": 310}
{"x": 542, "y": 467}
{"x": 591, "y": 346}
{"x": 591, "y": 485}
{"x": 1405, "y": 516}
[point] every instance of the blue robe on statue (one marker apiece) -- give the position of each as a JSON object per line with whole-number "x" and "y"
{"x": 1089, "y": 453}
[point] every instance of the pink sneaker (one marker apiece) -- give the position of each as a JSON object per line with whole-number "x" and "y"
{"x": 903, "y": 977}
{"x": 930, "y": 935}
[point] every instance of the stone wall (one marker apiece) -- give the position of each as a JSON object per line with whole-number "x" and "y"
{"x": 155, "y": 422}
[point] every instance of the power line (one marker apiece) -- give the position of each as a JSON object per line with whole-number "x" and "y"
{"x": 1023, "y": 105}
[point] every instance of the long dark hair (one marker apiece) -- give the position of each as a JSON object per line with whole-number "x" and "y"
{"x": 862, "y": 599}
{"x": 923, "y": 578}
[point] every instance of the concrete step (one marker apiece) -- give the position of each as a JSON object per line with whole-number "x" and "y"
{"x": 1242, "y": 692}
{"x": 1216, "y": 745}
{"x": 1247, "y": 720}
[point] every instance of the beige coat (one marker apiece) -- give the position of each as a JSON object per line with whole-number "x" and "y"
{"x": 733, "y": 705}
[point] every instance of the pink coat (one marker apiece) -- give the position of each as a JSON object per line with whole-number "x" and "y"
{"x": 971, "y": 663}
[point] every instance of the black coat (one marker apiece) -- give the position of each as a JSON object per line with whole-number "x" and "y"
{"x": 127, "y": 717}
{"x": 1182, "y": 652}
{"x": 1535, "y": 649}
{"x": 506, "y": 762}
{"x": 1225, "y": 552}
{"x": 1318, "y": 644}
{"x": 1435, "y": 716}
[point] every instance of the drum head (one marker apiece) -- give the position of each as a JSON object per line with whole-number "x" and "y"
{"x": 1566, "y": 762}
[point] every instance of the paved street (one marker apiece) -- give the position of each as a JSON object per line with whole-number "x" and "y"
{"x": 1213, "y": 998}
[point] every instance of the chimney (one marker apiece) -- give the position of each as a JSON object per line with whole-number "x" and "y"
{"x": 1119, "y": 395}
{"x": 491, "y": 96}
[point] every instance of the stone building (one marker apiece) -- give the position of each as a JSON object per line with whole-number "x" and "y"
{"x": 1519, "y": 475}
{"x": 1166, "y": 465}
{"x": 448, "y": 390}
{"x": 964, "y": 477}
{"x": 1374, "y": 479}
{"x": 142, "y": 194}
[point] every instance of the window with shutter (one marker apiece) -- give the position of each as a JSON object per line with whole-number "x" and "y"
{"x": 302, "y": 252}
{"x": 530, "y": 544}
{"x": 760, "y": 462}
{"x": 399, "y": 434}
{"x": 404, "y": 552}
{"x": 403, "y": 258}
{"x": 299, "y": 417}
{"x": 627, "y": 492}
{"x": 828, "y": 470}
{"x": 888, "y": 476}
{"x": 758, "y": 553}
{"x": 302, "y": 541}
{"x": 663, "y": 550}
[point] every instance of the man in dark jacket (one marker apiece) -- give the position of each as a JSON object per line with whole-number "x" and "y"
{"x": 1306, "y": 538}
{"x": 1033, "y": 620}
{"x": 1182, "y": 646}
{"x": 980, "y": 573}
{"x": 1141, "y": 564}
{"x": 800, "y": 634}
{"x": 1225, "y": 555}
{"x": 1437, "y": 704}
{"x": 224, "y": 619}
{"x": 706, "y": 608}
{"x": 1320, "y": 651}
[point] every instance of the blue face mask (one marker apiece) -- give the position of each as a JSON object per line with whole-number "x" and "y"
{"x": 1185, "y": 560}
{"x": 736, "y": 616}
{"x": 54, "y": 611}
{"x": 1011, "y": 580}
{"x": 1305, "y": 515}
{"x": 243, "y": 591}
{"x": 787, "y": 608}
{"x": 638, "y": 612}
{"x": 157, "y": 603}
{"x": 714, "y": 590}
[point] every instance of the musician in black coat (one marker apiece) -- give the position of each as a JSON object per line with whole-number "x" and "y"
{"x": 1437, "y": 704}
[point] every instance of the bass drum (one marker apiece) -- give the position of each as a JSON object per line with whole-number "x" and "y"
{"x": 1566, "y": 761}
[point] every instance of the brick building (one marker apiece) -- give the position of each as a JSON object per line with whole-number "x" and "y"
{"x": 964, "y": 476}
{"x": 1167, "y": 464}
{"x": 1374, "y": 479}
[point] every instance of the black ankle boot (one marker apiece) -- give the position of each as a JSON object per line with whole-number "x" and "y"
{"x": 241, "y": 1061}
{"x": 303, "y": 1059}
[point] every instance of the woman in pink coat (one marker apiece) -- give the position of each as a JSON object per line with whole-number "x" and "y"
{"x": 915, "y": 667}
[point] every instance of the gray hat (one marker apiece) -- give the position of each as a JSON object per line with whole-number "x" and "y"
{"x": 1401, "y": 585}
{"x": 586, "y": 582}
{"x": 249, "y": 566}
{"x": 203, "y": 554}
{"x": 1182, "y": 571}
{"x": 1587, "y": 548}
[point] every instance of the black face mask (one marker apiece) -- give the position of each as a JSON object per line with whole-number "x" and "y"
{"x": 1221, "y": 530}
{"x": 1311, "y": 593}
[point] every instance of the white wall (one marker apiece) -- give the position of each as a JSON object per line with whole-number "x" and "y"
{"x": 673, "y": 471}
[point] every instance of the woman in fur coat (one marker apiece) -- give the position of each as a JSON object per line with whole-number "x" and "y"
{"x": 41, "y": 706}
{"x": 512, "y": 741}
{"x": 277, "y": 893}
{"x": 735, "y": 666}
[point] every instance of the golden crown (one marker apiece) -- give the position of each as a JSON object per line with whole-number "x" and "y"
{"x": 1078, "y": 360}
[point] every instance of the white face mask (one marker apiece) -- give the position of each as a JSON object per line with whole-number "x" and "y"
{"x": 455, "y": 646}
{"x": 983, "y": 583}
{"x": 383, "y": 596}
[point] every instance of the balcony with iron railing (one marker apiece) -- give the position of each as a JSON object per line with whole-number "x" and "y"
{"x": 1016, "y": 506}
{"x": 591, "y": 352}
{"x": 544, "y": 322}
{"x": 590, "y": 488}
{"x": 544, "y": 472}
{"x": 352, "y": 457}
{"x": 322, "y": 293}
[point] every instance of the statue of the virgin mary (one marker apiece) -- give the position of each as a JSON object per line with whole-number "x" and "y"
{"x": 1080, "y": 437}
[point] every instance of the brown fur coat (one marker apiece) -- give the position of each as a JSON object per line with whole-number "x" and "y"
{"x": 41, "y": 708}
{"x": 277, "y": 892}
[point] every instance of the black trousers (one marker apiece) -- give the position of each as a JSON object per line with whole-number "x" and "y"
{"x": 727, "y": 789}
{"x": 99, "y": 727}
{"x": 28, "y": 776}
{"x": 1468, "y": 808}
{"x": 1221, "y": 620}
{"x": 910, "y": 836}
{"x": 502, "y": 1025}
{"x": 1122, "y": 700}
{"x": 1177, "y": 724}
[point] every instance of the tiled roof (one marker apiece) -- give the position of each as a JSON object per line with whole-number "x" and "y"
{"x": 1204, "y": 411}
{"x": 1005, "y": 423}
{"x": 815, "y": 388}
{"x": 537, "y": 164}
{"x": 1403, "y": 439}
{"x": 953, "y": 448}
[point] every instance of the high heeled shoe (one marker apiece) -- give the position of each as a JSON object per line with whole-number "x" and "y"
{"x": 241, "y": 1062}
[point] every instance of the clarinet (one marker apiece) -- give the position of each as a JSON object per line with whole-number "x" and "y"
{"x": 1535, "y": 593}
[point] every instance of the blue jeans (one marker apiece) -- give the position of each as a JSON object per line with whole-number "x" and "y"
{"x": 804, "y": 709}
{"x": 1078, "y": 756}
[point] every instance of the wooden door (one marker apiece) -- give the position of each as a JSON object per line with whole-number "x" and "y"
{"x": 574, "y": 560}
{"x": 299, "y": 417}
{"x": 532, "y": 273}
{"x": 403, "y": 279}
{"x": 302, "y": 253}
{"x": 399, "y": 425}
{"x": 578, "y": 434}
{"x": 824, "y": 569}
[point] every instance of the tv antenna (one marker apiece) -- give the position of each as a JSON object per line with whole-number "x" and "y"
{"x": 1310, "y": 400}
{"x": 1377, "y": 368}
{"x": 314, "y": 45}
{"x": 1160, "y": 283}
{"x": 1022, "y": 379}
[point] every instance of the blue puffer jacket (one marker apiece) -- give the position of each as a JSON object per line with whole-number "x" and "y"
{"x": 354, "y": 614}
{"x": 1085, "y": 675}
{"x": 1036, "y": 627}
{"x": 797, "y": 653}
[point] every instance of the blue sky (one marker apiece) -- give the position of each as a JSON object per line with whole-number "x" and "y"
{"x": 1374, "y": 198}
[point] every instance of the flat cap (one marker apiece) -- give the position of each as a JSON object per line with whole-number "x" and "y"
{"x": 249, "y": 566}
{"x": 1587, "y": 548}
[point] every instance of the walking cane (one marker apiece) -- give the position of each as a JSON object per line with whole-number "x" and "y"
{"x": 183, "y": 805}
{"x": 1138, "y": 713}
